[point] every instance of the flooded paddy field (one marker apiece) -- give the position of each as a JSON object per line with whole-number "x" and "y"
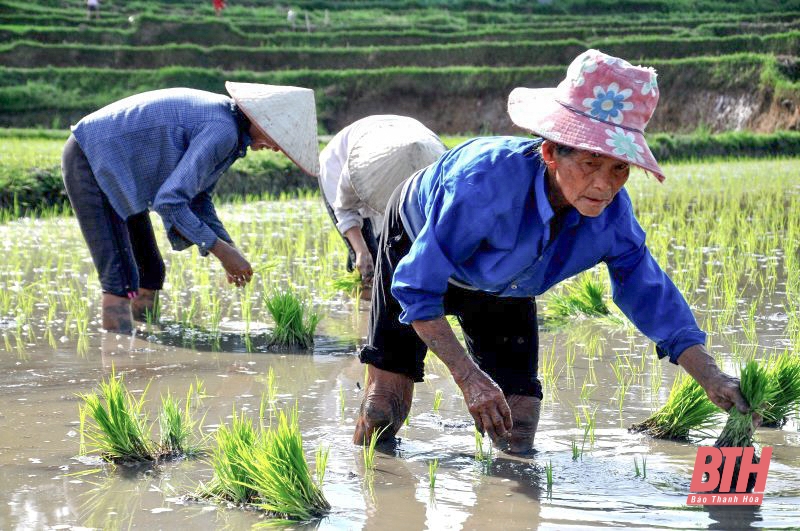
{"x": 728, "y": 234}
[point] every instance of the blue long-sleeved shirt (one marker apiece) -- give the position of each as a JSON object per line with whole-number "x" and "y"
{"x": 480, "y": 216}
{"x": 165, "y": 150}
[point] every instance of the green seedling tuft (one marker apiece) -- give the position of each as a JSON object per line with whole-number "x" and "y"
{"x": 266, "y": 469}
{"x": 433, "y": 467}
{"x": 119, "y": 429}
{"x": 294, "y": 327}
{"x": 687, "y": 408}
{"x": 177, "y": 427}
{"x": 321, "y": 463}
{"x": 437, "y": 400}
{"x": 739, "y": 429}
{"x": 585, "y": 297}
{"x": 368, "y": 449}
{"x": 783, "y": 372}
{"x": 349, "y": 283}
{"x": 549, "y": 473}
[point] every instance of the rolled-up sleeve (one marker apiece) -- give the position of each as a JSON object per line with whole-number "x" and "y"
{"x": 210, "y": 145}
{"x": 457, "y": 222}
{"x": 347, "y": 204}
{"x": 646, "y": 295}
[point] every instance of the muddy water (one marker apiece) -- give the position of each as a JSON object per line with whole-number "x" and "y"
{"x": 47, "y": 485}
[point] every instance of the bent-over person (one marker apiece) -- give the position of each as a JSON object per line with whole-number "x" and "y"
{"x": 497, "y": 221}
{"x": 165, "y": 150}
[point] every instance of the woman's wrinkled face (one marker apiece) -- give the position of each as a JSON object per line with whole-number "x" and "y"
{"x": 258, "y": 140}
{"x": 582, "y": 179}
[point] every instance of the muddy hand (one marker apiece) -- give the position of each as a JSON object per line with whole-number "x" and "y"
{"x": 486, "y": 404}
{"x": 366, "y": 267}
{"x": 724, "y": 392}
{"x": 237, "y": 268}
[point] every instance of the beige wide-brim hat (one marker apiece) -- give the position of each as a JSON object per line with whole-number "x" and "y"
{"x": 386, "y": 154}
{"x": 286, "y": 114}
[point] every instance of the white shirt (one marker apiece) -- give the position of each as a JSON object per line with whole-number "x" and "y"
{"x": 334, "y": 177}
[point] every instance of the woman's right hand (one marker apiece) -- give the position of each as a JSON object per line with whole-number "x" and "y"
{"x": 366, "y": 267}
{"x": 486, "y": 403}
{"x": 237, "y": 268}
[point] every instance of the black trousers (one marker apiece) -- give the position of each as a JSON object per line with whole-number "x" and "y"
{"x": 501, "y": 333}
{"x": 124, "y": 252}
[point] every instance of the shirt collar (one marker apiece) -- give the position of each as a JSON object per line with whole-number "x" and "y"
{"x": 543, "y": 206}
{"x": 540, "y": 188}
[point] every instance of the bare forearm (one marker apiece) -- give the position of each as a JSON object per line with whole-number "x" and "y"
{"x": 722, "y": 389}
{"x": 356, "y": 239}
{"x": 699, "y": 364}
{"x": 439, "y": 337}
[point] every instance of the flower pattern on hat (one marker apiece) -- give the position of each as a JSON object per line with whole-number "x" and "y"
{"x": 587, "y": 65}
{"x": 608, "y": 103}
{"x": 651, "y": 87}
{"x": 624, "y": 144}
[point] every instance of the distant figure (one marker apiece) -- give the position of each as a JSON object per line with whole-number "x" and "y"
{"x": 360, "y": 168}
{"x": 219, "y": 5}
{"x": 291, "y": 17}
{"x": 93, "y": 9}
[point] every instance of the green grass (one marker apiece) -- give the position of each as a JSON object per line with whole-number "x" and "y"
{"x": 687, "y": 408}
{"x": 294, "y": 323}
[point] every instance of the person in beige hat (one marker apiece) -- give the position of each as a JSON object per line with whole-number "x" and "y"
{"x": 165, "y": 150}
{"x": 360, "y": 168}
{"x": 497, "y": 221}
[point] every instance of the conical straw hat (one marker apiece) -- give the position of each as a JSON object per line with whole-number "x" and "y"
{"x": 384, "y": 155}
{"x": 286, "y": 114}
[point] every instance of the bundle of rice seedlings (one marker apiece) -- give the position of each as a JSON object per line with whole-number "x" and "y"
{"x": 739, "y": 429}
{"x": 293, "y": 328}
{"x": 349, "y": 283}
{"x": 266, "y": 469}
{"x": 234, "y": 446}
{"x": 783, "y": 372}
{"x": 119, "y": 431}
{"x": 687, "y": 408}
{"x": 178, "y": 427}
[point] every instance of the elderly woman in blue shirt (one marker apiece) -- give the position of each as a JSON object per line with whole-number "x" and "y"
{"x": 495, "y": 222}
{"x": 165, "y": 150}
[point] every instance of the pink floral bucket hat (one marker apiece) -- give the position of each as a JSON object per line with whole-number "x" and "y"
{"x": 603, "y": 106}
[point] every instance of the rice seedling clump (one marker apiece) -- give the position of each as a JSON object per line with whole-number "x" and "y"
{"x": 119, "y": 429}
{"x": 740, "y": 427}
{"x": 687, "y": 408}
{"x": 265, "y": 469}
{"x": 294, "y": 324}
{"x": 783, "y": 372}
{"x": 115, "y": 426}
{"x": 584, "y": 298}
